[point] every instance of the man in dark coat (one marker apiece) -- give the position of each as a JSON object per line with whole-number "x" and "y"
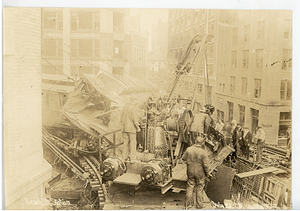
{"x": 227, "y": 133}
{"x": 247, "y": 139}
{"x": 236, "y": 136}
{"x": 197, "y": 170}
{"x": 130, "y": 125}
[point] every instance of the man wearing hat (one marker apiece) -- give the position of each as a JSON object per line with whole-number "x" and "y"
{"x": 200, "y": 123}
{"x": 130, "y": 125}
{"x": 197, "y": 170}
{"x": 260, "y": 141}
{"x": 237, "y": 135}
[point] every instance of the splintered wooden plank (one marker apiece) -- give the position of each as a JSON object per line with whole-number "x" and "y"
{"x": 257, "y": 172}
{"x": 129, "y": 179}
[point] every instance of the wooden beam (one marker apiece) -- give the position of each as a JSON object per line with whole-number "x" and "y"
{"x": 257, "y": 172}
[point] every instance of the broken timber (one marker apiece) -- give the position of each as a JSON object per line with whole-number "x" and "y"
{"x": 257, "y": 172}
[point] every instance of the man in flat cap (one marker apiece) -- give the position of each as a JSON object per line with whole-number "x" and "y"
{"x": 130, "y": 125}
{"x": 197, "y": 170}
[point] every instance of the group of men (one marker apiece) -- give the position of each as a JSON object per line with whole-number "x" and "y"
{"x": 240, "y": 138}
{"x": 195, "y": 156}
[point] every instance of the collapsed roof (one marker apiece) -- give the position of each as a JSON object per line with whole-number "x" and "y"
{"x": 88, "y": 106}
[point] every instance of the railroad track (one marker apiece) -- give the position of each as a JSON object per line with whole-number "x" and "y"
{"x": 64, "y": 158}
{"x": 275, "y": 151}
{"x": 88, "y": 170}
{"x": 92, "y": 166}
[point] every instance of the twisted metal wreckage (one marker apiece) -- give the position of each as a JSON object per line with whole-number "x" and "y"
{"x": 92, "y": 148}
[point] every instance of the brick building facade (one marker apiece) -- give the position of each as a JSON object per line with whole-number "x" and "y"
{"x": 25, "y": 169}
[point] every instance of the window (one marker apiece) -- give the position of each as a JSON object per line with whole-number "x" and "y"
{"x": 233, "y": 59}
{"x": 285, "y": 120}
{"x": 245, "y": 59}
{"x": 257, "y": 88}
{"x": 53, "y": 20}
{"x": 212, "y": 12}
{"x": 211, "y": 27}
{"x": 74, "y": 21}
{"x": 210, "y": 53}
{"x": 220, "y": 114}
{"x": 246, "y": 33}
{"x": 286, "y": 90}
{"x": 199, "y": 89}
{"x": 232, "y": 84}
{"x": 230, "y": 111}
{"x": 287, "y": 34}
{"x": 186, "y": 85}
{"x": 234, "y": 35}
{"x": 52, "y": 48}
{"x": 223, "y": 88}
{"x": 260, "y": 30}
{"x": 85, "y": 20}
{"x": 209, "y": 92}
{"x": 85, "y": 48}
{"x": 244, "y": 86}
{"x": 118, "y": 22}
{"x": 259, "y": 58}
{"x": 195, "y": 14}
{"x": 287, "y": 59}
{"x": 255, "y": 118}
{"x": 188, "y": 19}
{"x": 242, "y": 114}
{"x": 210, "y": 69}
{"x": 97, "y": 21}
{"x": 202, "y": 30}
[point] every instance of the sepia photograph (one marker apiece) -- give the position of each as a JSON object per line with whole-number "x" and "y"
{"x": 147, "y": 108}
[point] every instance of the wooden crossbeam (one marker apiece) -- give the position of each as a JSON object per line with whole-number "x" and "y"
{"x": 257, "y": 172}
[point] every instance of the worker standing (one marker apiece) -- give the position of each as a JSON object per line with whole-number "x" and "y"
{"x": 199, "y": 124}
{"x": 260, "y": 141}
{"x": 197, "y": 170}
{"x": 236, "y": 140}
{"x": 130, "y": 125}
{"x": 247, "y": 139}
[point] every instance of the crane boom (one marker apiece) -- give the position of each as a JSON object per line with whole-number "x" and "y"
{"x": 194, "y": 53}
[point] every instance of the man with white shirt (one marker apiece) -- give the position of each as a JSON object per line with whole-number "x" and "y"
{"x": 260, "y": 141}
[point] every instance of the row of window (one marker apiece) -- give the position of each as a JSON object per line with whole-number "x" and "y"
{"x": 284, "y": 118}
{"x": 81, "y": 21}
{"x": 241, "y": 119}
{"x": 192, "y": 17}
{"x": 82, "y": 48}
{"x": 259, "y": 56}
{"x": 260, "y": 32}
{"x": 285, "y": 88}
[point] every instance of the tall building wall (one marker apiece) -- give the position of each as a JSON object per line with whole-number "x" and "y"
{"x": 25, "y": 168}
{"x": 76, "y": 41}
{"x": 249, "y": 64}
{"x": 270, "y": 73}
